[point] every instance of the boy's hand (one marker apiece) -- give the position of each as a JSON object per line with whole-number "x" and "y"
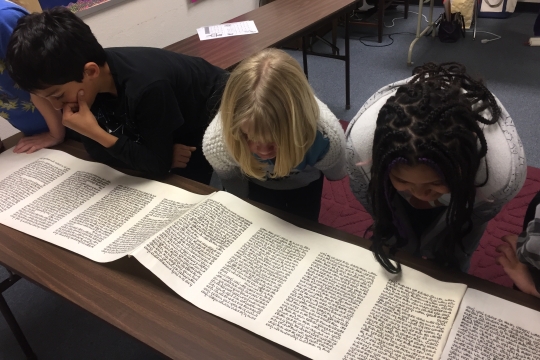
{"x": 30, "y": 144}
{"x": 78, "y": 117}
{"x": 181, "y": 155}
{"x": 516, "y": 270}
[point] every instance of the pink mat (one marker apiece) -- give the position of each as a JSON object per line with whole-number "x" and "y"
{"x": 341, "y": 210}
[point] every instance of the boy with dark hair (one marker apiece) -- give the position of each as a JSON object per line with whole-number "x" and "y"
{"x": 41, "y": 128}
{"x": 141, "y": 108}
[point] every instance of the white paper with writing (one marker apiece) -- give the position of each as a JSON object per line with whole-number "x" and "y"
{"x": 319, "y": 296}
{"x": 85, "y": 207}
{"x": 226, "y": 30}
{"x": 488, "y": 327}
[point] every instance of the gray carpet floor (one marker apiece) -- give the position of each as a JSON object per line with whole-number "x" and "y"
{"x": 510, "y": 69}
{"x": 57, "y": 329}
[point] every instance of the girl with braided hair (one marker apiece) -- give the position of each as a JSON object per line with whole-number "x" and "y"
{"x": 433, "y": 158}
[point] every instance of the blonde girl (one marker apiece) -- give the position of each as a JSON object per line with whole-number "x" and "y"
{"x": 272, "y": 139}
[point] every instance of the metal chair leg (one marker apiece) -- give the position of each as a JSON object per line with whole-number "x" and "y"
{"x": 10, "y": 319}
{"x": 475, "y": 18}
{"x": 419, "y": 33}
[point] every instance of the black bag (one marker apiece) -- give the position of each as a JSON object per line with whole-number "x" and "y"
{"x": 450, "y": 31}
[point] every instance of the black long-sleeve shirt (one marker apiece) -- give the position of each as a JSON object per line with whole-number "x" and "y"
{"x": 162, "y": 98}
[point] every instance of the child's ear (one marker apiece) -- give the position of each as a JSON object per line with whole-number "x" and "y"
{"x": 91, "y": 70}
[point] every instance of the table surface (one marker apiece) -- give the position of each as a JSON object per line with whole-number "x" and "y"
{"x": 277, "y": 22}
{"x": 127, "y": 295}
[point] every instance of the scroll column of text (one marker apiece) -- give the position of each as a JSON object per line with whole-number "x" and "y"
{"x": 252, "y": 277}
{"x": 28, "y": 180}
{"x": 405, "y": 323}
{"x": 100, "y": 220}
{"x": 481, "y": 336}
{"x": 319, "y": 309}
{"x": 190, "y": 245}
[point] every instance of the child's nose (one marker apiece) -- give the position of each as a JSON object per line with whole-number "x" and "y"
{"x": 421, "y": 191}
{"x": 265, "y": 148}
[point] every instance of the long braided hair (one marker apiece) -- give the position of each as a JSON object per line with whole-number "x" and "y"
{"x": 433, "y": 120}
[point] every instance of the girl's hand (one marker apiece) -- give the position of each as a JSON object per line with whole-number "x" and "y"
{"x": 516, "y": 270}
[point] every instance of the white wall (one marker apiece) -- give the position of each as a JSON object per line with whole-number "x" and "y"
{"x": 155, "y": 23}
{"x": 6, "y": 130}
{"x": 159, "y": 23}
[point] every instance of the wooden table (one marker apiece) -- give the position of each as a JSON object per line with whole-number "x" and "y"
{"x": 127, "y": 295}
{"x": 277, "y": 22}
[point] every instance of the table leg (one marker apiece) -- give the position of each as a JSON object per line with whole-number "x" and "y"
{"x": 347, "y": 65}
{"x": 334, "y": 36}
{"x": 406, "y": 15}
{"x": 346, "y": 57}
{"x": 380, "y": 20}
{"x": 12, "y": 322}
{"x": 418, "y": 25}
{"x": 430, "y": 23}
{"x": 304, "y": 53}
{"x": 475, "y": 18}
{"x": 419, "y": 22}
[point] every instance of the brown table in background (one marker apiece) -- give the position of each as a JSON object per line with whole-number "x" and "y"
{"x": 127, "y": 295}
{"x": 277, "y": 22}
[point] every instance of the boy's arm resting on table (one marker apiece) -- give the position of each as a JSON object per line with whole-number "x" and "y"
{"x": 158, "y": 116}
{"x": 54, "y": 136}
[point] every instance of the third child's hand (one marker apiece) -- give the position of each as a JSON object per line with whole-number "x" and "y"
{"x": 516, "y": 270}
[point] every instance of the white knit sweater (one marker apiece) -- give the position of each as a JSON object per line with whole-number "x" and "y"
{"x": 332, "y": 164}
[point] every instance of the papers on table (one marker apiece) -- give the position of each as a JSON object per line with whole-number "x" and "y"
{"x": 226, "y": 30}
{"x": 488, "y": 327}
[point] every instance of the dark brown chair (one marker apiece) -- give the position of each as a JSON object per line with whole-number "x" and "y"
{"x": 382, "y": 5}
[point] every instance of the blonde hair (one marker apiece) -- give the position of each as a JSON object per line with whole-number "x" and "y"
{"x": 271, "y": 95}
